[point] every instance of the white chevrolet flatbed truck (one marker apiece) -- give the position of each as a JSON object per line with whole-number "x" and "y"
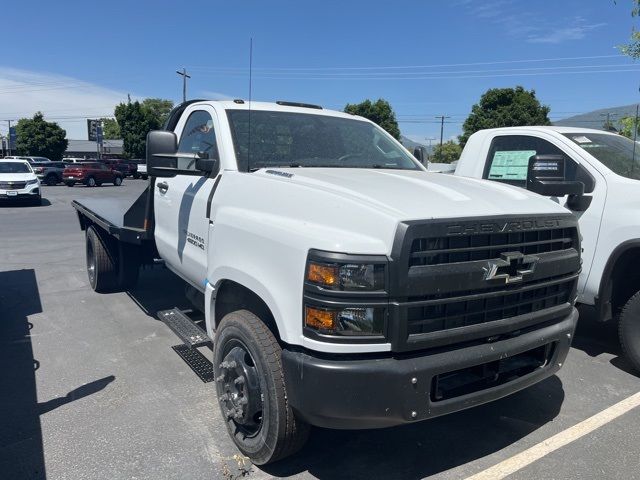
{"x": 607, "y": 206}
{"x": 343, "y": 285}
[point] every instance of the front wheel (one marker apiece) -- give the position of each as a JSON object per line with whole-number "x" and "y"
{"x": 251, "y": 390}
{"x": 629, "y": 331}
{"x": 91, "y": 182}
{"x": 117, "y": 181}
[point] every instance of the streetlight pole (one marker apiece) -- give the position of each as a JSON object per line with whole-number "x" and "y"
{"x": 184, "y": 75}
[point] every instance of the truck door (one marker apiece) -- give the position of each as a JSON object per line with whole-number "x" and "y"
{"x": 507, "y": 162}
{"x": 181, "y": 202}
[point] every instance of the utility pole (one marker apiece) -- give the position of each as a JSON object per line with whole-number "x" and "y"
{"x": 608, "y": 125}
{"x": 635, "y": 138}
{"x": 184, "y": 75}
{"x": 9, "y": 139}
{"x": 441, "y": 117}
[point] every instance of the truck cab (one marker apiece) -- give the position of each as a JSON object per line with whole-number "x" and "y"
{"x": 343, "y": 285}
{"x": 606, "y": 164}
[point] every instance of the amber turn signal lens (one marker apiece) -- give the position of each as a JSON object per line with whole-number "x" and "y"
{"x": 322, "y": 274}
{"x": 320, "y": 319}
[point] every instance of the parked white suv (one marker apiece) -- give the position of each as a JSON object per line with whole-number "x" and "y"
{"x": 18, "y": 181}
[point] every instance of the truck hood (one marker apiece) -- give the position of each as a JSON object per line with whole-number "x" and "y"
{"x": 413, "y": 195}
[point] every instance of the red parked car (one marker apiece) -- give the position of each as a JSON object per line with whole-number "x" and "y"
{"x": 92, "y": 174}
{"x": 126, "y": 168}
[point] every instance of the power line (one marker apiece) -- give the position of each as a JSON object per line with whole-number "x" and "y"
{"x": 448, "y": 77}
{"x": 499, "y": 62}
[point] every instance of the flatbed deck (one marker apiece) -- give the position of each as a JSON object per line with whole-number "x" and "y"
{"x": 128, "y": 222}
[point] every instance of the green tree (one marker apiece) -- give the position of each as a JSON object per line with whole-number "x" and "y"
{"x": 632, "y": 48}
{"x": 505, "y": 107}
{"x": 447, "y": 152}
{"x": 626, "y": 126}
{"x": 158, "y": 109}
{"x": 136, "y": 119}
{"x": 134, "y": 125}
{"x": 379, "y": 112}
{"x": 40, "y": 138}
{"x": 110, "y": 129}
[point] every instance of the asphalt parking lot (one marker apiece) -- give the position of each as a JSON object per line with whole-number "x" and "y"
{"x": 91, "y": 388}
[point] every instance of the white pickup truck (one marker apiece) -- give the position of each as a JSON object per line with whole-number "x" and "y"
{"x": 343, "y": 285}
{"x": 607, "y": 206}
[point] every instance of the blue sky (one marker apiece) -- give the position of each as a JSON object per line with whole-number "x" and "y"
{"x": 77, "y": 59}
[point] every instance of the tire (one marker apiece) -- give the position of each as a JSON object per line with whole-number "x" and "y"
{"x": 145, "y": 177}
{"x": 69, "y": 184}
{"x": 90, "y": 182}
{"x": 264, "y": 430}
{"x": 629, "y": 331}
{"x": 101, "y": 261}
{"x": 51, "y": 180}
{"x": 136, "y": 176}
{"x": 117, "y": 181}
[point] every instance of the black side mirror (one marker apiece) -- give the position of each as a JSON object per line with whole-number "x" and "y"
{"x": 161, "y": 150}
{"x": 546, "y": 176}
{"x": 206, "y": 165}
{"x": 417, "y": 152}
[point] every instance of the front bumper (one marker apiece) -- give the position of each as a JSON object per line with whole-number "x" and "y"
{"x": 382, "y": 392}
{"x": 30, "y": 192}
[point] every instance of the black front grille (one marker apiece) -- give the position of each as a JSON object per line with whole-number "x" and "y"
{"x": 12, "y": 185}
{"x": 466, "y": 248}
{"x": 450, "y": 285}
{"x": 446, "y": 313}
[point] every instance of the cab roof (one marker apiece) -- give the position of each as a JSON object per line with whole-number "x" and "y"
{"x": 554, "y": 128}
{"x": 280, "y": 106}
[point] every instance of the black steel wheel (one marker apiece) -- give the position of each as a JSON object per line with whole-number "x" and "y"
{"x": 251, "y": 390}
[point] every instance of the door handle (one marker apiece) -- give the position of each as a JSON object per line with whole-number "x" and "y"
{"x": 162, "y": 186}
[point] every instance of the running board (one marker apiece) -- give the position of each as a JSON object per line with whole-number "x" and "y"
{"x": 191, "y": 334}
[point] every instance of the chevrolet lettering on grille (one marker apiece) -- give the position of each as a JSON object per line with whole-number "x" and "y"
{"x": 511, "y": 267}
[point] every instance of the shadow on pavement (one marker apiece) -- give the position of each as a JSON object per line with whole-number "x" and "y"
{"x": 21, "y": 448}
{"x": 426, "y": 448}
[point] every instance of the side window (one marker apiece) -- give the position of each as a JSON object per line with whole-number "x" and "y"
{"x": 198, "y": 136}
{"x": 508, "y": 158}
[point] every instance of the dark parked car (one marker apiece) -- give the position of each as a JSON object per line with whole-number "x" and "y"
{"x": 92, "y": 174}
{"x": 127, "y": 168}
{"x": 49, "y": 173}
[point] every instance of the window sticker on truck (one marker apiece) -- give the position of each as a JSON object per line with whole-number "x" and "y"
{"x": 510, "y": 164}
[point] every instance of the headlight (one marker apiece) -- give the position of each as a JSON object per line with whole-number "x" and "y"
{"x": 32, "y": 182}
{"x": 346, "y": 321}
{"x": 346, "y": 276}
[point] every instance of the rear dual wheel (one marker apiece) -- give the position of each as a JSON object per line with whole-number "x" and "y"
{"x": 251, "y": 390}
{"x": 110, "y": 266}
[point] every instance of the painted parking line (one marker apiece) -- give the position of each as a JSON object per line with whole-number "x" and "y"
{"x": 521, "y": 460}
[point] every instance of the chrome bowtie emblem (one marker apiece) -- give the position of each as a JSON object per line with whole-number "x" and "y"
{"x": 511, "y": 267}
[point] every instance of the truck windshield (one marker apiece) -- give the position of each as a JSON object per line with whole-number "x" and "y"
{"x": 285, "y": 139}
{"x": 14, "y": 167}
{"x": 614, "y": 151}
